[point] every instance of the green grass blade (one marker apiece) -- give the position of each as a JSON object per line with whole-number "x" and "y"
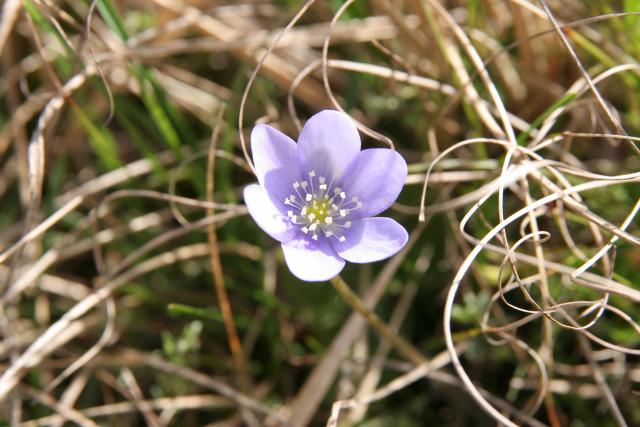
{"x": 101, "y": 141}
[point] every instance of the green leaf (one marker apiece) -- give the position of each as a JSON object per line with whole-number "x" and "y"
{"x": 177, "y": 310}
{"x": 101, "y": 140}
{"x": 541, "y": 118}
{"x": 62, "y": 63}
{"x": 112, "y": 18}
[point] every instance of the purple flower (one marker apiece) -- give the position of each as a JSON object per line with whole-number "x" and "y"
{"x": 318, "y": 197}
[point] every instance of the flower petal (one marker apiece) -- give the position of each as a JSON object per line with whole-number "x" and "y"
{"x": 266, "y": 215}
{"x": 276, "y": 162}
{"x": 328, "y": 142}
{"x": 371, "y": 239}
{"x": 312, "y": 261}
{"x": 375, "y": 177}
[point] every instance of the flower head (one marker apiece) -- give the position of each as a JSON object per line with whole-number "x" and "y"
{"x": 319, "y": 197}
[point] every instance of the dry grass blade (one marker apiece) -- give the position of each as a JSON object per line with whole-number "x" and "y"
{"x": 42, "y": 346}
{"x": 518, "y": 122}
{"x": 216, "y": 264}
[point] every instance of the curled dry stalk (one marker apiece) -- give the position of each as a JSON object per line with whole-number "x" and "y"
{"x": 518, "y": 182}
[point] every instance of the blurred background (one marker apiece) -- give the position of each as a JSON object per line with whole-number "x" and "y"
{"x": 135, "y": 290}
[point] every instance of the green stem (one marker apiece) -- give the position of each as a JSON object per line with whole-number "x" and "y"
{"x": 403, "y": 346}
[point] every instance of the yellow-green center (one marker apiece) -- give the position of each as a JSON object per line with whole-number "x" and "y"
{"x": 319, "y": 209}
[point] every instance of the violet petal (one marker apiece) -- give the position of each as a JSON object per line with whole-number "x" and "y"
{"x": 329, "y": 141}
{"x": 375, "y": 177}
{"x": 371, "y": 239}
{"x": 266, "y": 215}
{"x": 276, "y": 163}
{"x": 312, "y": 261}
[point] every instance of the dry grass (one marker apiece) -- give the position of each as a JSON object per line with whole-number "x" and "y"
{"x": 136, "y": 291}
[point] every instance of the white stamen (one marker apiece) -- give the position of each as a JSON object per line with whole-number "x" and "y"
{"x": 317, "y": 210}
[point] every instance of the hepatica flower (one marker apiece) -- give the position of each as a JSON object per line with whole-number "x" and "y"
{"x": 319, "y": 197}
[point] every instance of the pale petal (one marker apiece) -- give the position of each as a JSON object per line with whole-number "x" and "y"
{"x": 375, "y": 177}
{"x": 311, "y": 261}
{"x": 329, "y": 141}
{"x": 276, "y": 162}
{"x": 266, "y": 215}
{"x": 371, "y": 239}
